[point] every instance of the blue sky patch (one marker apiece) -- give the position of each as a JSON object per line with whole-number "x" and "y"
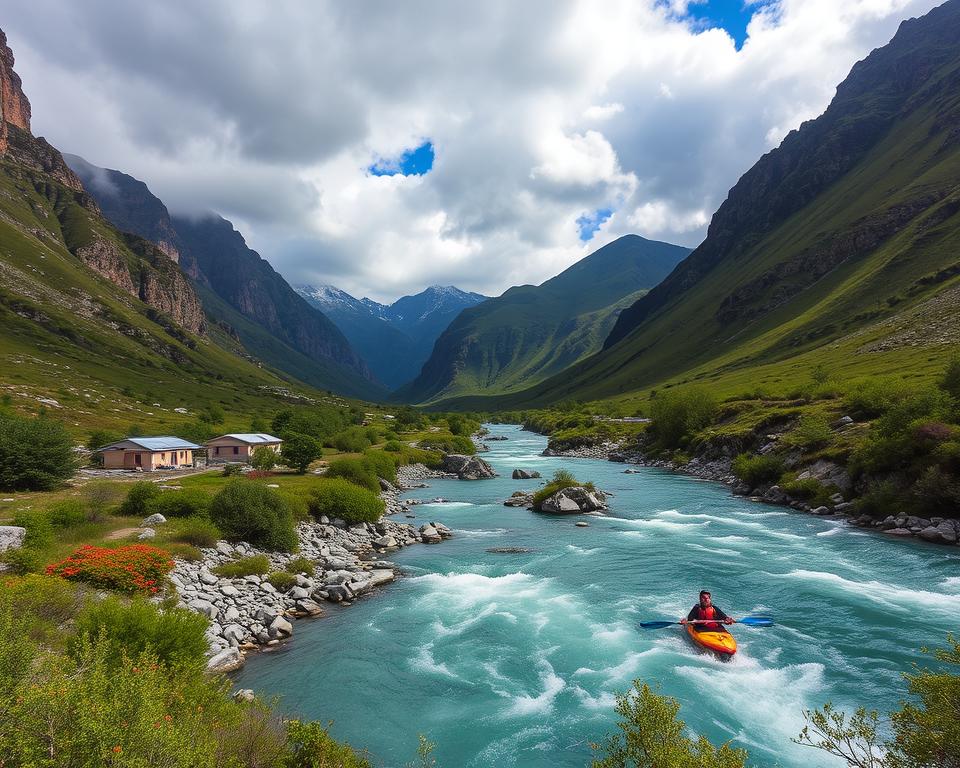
{"x": 589, "y": 223}
{"x": 413, "y": 162}
{"x": 731, "y": 15}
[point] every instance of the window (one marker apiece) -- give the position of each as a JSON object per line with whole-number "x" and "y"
{"x": 236, "y": 450}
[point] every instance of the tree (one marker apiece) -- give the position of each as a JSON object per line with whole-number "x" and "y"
{"x": 951, "y": 378}
{"x": 263, "y": 458}
{"x": 299, "y": 450}
{"x": 652, "y": 736}
{"x": 258, "y": 424}
{"x": 35, "y": 454}
{"x": 678, "y": 413}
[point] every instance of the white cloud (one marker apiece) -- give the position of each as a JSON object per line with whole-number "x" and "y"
{"x": 538, "y": 113}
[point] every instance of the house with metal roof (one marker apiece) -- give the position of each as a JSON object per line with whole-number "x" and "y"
{"x": 148, "y": 453}
{"x": 239, "y": 446}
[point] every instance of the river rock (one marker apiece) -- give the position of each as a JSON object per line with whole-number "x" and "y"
{"x": 430, "y": 535}
{"x": 519, "y": 499}
{"x": 522, "y": 474}
{"x": 573, "y": 500}
{"x": 11, "y": 537}
{"x": 467, "y": 467}
{"x": 155, "y": 519}
{"x": 244, "y": 695}
{"x": 385, "y": 541}
{"x": 898, "y": 532}
{"x": 280, "y": 627}
{"x": 226, "y": 660}
{"x": 146, "y": 533}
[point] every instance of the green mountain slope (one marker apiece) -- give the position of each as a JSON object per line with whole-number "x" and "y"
{"x": 833, "y": 248}
{"x": 532, "y": 332}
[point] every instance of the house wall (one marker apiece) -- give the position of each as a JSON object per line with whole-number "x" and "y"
{"x": 244, "y": 451}
{"x": 150, "y": 460}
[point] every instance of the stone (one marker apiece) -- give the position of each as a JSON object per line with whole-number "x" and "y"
{"x": 224, "y": 549}
{"x": 298, "y": 593}
{"x": 898, "y": 532}
{"x": 843, "y": 421}
{"x": 245, "y": 695}
{"x": 380, "y": 576}
{"x": 844, "y": 507}
{"x": 226, "y": 660}
{"x": 234, "y": 632}
{"x": 229, "y": 590}
{"x": 280, "y": 627}
{"x": 820, "y": 511}
{"x": 205, "y": 607}
{"x": 467, "y": 467}
{"x": 837, "y": 498}
{"x": 338, "y": 592}
{"x": 430, "y": 535}
{"x": 385, "y": 541}
{"x": 208, "y": 578}
{"x": 147, "y": 533}
{"x": 231, "y": 613}
{"x": 11, "y": 537}
{"x": 522, "y": 474}
{"x": 582, "y": 524}
{"x": 309, "y": 607}
{"x": 574, "y": 500}
{"x": 155, "y": 519}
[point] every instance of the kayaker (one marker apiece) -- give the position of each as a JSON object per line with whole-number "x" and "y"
{"x": 705, "y": 609}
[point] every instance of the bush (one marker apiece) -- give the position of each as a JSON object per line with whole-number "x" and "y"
{"x": 393, "y": 446}
{"x": 757, "y": 470}
{"x": 197, "y": 531}
{"x": 876, "y": 396}
{"x": 232, "y": 470}
{"x": 452, "y": 444}
{"x": 810, "y": 489}
{"x": 249, "y": 511}
{"x": 311, "y": 746}
{"x": 132, "y": 568}
{"x": 67, "y": 514}
{"x": 139, "y": 495}
{"x": 881, "y": 500}
{"x": 183, "y": 503}
{"x": 255, "y": 565}
{"x": 352, "y": 440}
{"x": 561, "y": 479}
{"x": 301, "y": 565}
{"x": 679, "y": 413}
{"x": 337, "y": 497}
{"x": 22, "y": 560}
{"x": 938, "y": 492}
{"x": 35, "y": 454}
{"x": 950, "y": 382}
{"x": 175, "y": 636}
{"x": 381, "y": 464}
{"x": 263, "y": 459}
{"x": 812, "y": 431}
{"x": 650, "y": 733}
{"x": 38, "y": 526}
{"x": 356, "y": 471}
{"x": 282, "y": 581}
{"x": 299, "y": 451}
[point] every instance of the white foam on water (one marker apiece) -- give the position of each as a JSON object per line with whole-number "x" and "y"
{"x": 951, "y": 584}
{"x": 662, "y": 525}
{"x": 542, "y": 702}
{"x": 730, "y": 538}
{"x": 603, "y": 702}
{"x": 458, "y": 628}
{"x": 714, "y": 550}
{"x": 425, "y": 662}
{"x": 506, "y": 752}
{"x": 479, "y": 533}
{"x": 624, "y": 671}
{"x": 672, "y": 514}
{"x": 583, "y": 551}
{"x": 448, "y": 504}
{"x": 607, "y": 634}
{"x": 889, "y": 596}
{"x": 765, "y": 701}
{"x": 829, "y": 532}
{"x": 466, "y": 590}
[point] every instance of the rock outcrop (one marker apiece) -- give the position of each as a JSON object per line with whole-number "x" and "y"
{"x": 467, "y": 467}
{"x": 14, "y": 105}
{"x": 522, "y": 474}
{"x": 574, "y": 500}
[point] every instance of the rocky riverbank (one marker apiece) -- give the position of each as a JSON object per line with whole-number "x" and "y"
{"x": 938, "y": 530}
{"x": 248, "y": 613}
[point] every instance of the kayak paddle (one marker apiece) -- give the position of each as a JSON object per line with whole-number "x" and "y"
{"x": 750, "y": 621}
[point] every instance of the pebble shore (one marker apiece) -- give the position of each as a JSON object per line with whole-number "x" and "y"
{"x": 249, "y": 614}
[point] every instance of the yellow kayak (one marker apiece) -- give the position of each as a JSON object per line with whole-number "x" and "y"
{"x": 720, "y": 642}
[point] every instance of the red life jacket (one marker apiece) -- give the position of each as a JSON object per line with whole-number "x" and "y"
{"x": 707, "y": 613}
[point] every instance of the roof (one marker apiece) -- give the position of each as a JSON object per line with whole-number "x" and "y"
{"x": 253, "y": 438}
{"x": 165, "y": 443}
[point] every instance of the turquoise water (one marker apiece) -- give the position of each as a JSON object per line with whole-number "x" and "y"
{"x": 514, "y": 659}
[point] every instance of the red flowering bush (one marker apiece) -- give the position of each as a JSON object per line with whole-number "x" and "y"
{"x": 133, "y": 568}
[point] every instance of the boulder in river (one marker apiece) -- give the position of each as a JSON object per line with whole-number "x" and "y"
{"x": 573, "y": 500}
{"x": 519, "y": 499}
{"x": 467, "y": 467}
{"x": 522, "y": 474}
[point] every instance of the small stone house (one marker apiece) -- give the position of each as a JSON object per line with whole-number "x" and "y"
{"x": 148, "y": 453}
{"x": 239, "y": 447}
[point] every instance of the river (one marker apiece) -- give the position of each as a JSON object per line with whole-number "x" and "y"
{"x": 514, "y": 659}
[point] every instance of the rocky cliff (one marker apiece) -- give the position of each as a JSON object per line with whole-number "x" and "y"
{"x": 14, "y": 106}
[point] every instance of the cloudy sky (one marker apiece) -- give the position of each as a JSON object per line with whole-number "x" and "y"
{"x": 385, "y": 146}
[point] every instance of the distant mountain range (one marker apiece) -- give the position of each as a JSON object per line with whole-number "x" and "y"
{"x": 838, "y": 248}
{"x": 532, "y": 332}
{"x": 395, "y": 339}
{"x": 237, "y": 287}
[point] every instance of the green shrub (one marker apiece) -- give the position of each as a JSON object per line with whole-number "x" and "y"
{"x": 310, "y": 746}
{"x": 393, "y": 446}
{"x": 562, "y": 478}
{"x": 812, "y": 431}
{"x": 139, "y": 495}
{"x": 22, "y": 560}
{"x": 39, "y": 528}
{"x": 757, "y": 470}
{"x": 356, "y": 471}
{"x": 679, "y": 413}
{"x": 232, "y": 470}
{"x": 255, "y": 565}
{"x": 338, "y": 497}
{"x": 197, "y": 531}
{"x": 937, "y": 492}
{"x": 263, "y": 459}
{"x": 950, "y": 382}
{"x": 877, "y": 395}
{"x": 453, "y": 444}
{"x": 246, "y": 510}
{"x": 297, "y": 503}
{"x": 352, "y": 440}
{"x": 35, "y": 454}
{"x": 299, "y": 451}
{"x": 301, "y": 565}
{"x": 882, "y": 500}
{"x": 282, "y": 581}
{"x": 175, "y": 636}
{"x": 809, "y": 489}
{"x": 47, "y": 602}
{"x": 381, "y": 464}
{"x": 188, "y": 502}
{"x": 67, "y": 514}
